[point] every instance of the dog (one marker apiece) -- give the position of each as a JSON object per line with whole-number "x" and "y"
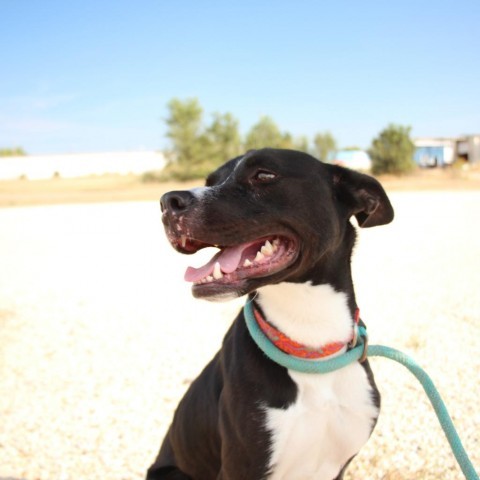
{"x": 281, "y": 221}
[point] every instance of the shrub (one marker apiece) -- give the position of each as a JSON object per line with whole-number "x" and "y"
{"x": 392, "y": 151}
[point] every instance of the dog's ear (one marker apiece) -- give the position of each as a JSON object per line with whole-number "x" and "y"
{"x": 363, "y": 195}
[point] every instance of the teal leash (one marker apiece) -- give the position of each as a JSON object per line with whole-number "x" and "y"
{"x": 356, "y": 354}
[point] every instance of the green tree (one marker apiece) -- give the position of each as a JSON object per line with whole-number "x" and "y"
{"x": 324, "y": 145}
{"x": 392, "y": 151}
{"x": 184, "y": 124}
{"x": 286, "y": 141}
{"x": 197, "y": 150}
{"x": 12, "y": 152}
{"x": 301, "y": 143}
{"x": 266, "y": 133}
{"x": 224, "y": 138}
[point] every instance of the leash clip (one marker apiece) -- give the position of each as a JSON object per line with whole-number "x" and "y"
{"x": 356, "y": 334}
{"x": 365, "y": 349}
{"x": 356, "y": 320}
{"x": 354, "y": 340}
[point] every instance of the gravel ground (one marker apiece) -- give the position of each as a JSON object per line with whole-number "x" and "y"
{"x": 99, "y": 336}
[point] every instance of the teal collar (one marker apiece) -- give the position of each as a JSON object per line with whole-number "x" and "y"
{"x": 300, "y": 364}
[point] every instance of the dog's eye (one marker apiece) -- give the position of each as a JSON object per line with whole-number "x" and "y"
{"x": 264, "y": 176}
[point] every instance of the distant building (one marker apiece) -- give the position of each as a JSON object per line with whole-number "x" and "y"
{"x": 80, "y": 164}
{"x": 354, "y": 159}
{"x": 468, "y": 149}
{"x": 434, "y": 152}
{"x": 440, "y": 152}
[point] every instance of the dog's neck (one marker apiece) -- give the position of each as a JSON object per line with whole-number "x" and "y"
{"x": 313, "y": 315}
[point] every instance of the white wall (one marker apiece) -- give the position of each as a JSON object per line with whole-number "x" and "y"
{"x": 80, "y": 164}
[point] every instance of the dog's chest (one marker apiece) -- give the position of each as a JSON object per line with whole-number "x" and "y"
{"x": 328, "y": 424}
{"x": 333, "y": 414}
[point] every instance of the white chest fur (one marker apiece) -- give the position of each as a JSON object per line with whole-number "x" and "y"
{"x": 333, "y": 414}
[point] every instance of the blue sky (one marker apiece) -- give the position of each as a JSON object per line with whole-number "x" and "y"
{"x": 97, "y": 75}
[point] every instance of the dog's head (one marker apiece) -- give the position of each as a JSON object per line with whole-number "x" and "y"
{"x": 275, "y": 215}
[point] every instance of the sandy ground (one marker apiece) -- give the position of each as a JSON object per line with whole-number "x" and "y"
{"x": 94, "y": 189}
{"x": 99, "y": 336}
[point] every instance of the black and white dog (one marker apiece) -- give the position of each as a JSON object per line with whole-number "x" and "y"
{"x": 281, "y": 220}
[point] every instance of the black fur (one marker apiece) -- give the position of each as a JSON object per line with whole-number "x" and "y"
{"x": 218, "y": 430}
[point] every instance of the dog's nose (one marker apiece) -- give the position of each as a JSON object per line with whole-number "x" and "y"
{"x": 176, "y": 202}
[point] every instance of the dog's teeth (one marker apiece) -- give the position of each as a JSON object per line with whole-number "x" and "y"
{"x": 217, "y": 273}
{"x": 276, "y": 244}
{"x": 260, "y": 256}
{"x": 209, "y": 279}
{"x": 247, "y": 263}
{"x": 183, "y": 240}
{"x": 267, "y": 249}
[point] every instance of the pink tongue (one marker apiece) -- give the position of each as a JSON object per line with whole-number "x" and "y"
{"x": 228, "y": 258}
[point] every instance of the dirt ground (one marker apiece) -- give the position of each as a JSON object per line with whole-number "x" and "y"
{"x": 95, "y": 189}
{"x": 113, "y": 188}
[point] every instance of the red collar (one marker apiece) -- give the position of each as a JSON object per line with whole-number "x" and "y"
{"x": 291, "y": 347}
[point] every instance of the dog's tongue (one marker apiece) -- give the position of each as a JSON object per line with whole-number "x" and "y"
{"x": 228, "y": 258}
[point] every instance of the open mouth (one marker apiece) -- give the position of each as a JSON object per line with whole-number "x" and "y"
{"x": 258, "y": 258}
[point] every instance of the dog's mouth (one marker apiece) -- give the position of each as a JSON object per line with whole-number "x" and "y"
{"x": 259, "y": 258}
